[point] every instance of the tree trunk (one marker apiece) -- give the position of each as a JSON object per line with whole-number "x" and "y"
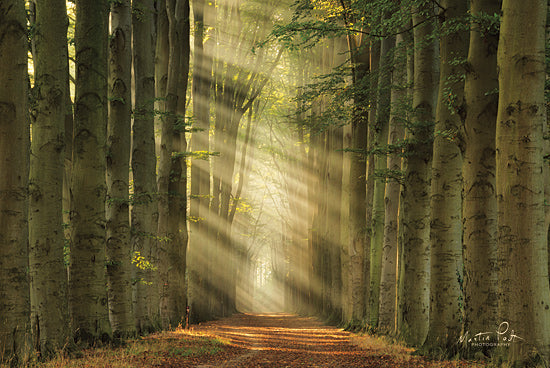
{"x": 335, "y": 220}
{"x": 119, "y": 253}
{"x": 381, "y": 129}
{"x": 172, "y": 171}
{"x": 345, "y": 234}
{"x": 370, "y": 170}
{"x": 446, "y": 195}
{"x": 14, "y": 165}
{"x": 522, "y": 246}
{"x": 144, "y": 205}
{"x": 357, "y": 183}
{"x": 479, "y": 204}
{"x": 388, "y": 277}
{"x": 200, "y": 173}
{"x": 88, "y": 295}
{"x": 49, "y": 285}
{"x": 416, "y": 200}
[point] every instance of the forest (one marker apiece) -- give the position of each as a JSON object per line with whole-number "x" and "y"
{"x": 380, "y": 165}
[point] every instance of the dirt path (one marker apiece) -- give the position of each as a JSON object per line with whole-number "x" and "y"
{"x": 284, "y": 340}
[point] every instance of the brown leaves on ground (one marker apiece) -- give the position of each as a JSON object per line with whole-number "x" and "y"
{"x": 256, "y": 340}
{"x": 284, "y": 340}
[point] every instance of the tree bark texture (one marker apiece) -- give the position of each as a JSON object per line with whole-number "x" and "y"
{"x": 524, "y": 296}
{"x": 14, "y": 165}
{"x": 446, "y": 190}
{"x": 49, "y": 284}
{"x": 144, "y": 212}
{"x": 87, "y": 284}
{"x": 416, "y": 192}
{"x": 388, "y": 276}
{"x": 478, "y": 171}
{"x": 381, "y": 130}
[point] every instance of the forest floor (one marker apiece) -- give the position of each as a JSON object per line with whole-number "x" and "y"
{"x": 257, "y": 340}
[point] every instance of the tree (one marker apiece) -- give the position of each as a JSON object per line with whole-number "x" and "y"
{"x": 414, "y": 301}
{"x": 478, "y": 170}
{"x": 200, "y": 172}
{"x": 524, "y": 297}
{"x": 388, "y": 277}
{"x": 14, "y": 164}
{"x": 118, "y": 162}
{"x": 357, "y": 181}
{"x": 239, "y": 80}
{"x": 87, "y": 292}
{"x": 381, "y": 130}
{"x": 144, "y": 204}
{"x": 173, "y": 169}
{"x": 49, "y": 285}
{"x": 446, "y": 186}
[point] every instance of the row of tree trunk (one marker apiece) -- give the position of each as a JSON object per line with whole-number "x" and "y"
{"x": 100, "y": 190}
{"x": 115, "y": 247}
{"x": 438, "y": 231}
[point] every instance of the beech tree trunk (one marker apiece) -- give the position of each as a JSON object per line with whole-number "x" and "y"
{"x": 49, "y": 285}
{"x": 199, "y": 241}
{"x": 446, "y": 195}
{"x": 388, "y": 277}
{"x": 15, "y": 342}
{"x": 87, "y": 283}
{"x": 119, "y": 252}
{"x": 144, "y": 205}
{"x": 381, "y": 130}
{"x": 478, "y": 171}
{"x": 524, "y": 296}
{"x": 357, "y": 183}
{"x": 416, "y": 191}
{"x": 173, "y": 170}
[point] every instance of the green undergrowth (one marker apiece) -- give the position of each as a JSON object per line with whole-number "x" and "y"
{"x": 153, "y": 350}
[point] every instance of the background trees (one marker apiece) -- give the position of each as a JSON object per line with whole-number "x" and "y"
{"x": 325, "y": 172}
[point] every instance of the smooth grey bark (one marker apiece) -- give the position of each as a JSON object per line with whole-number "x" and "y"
{"x": 87, "y": 283}
{"x": 446, "y": 190}
{"x": 144, "y": 213}
{"x": 415, "y": 296}
{"x": 15, "y": 344}
{"x": 119, "y": 251}
{"x": 478, "y": 172}
{"x": 49, "y": 284}
{"x": 524, "y": 296}
{"x": 381, "y": 131}
{"x": 388, "y": 277}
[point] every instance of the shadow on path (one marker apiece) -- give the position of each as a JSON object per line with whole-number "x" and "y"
{"x": 285, "y": 340}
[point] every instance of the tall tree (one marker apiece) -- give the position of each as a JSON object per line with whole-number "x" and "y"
{"x": 87, "y": 292}
{"x": 239, "y": 81}
{"x": 172, "y": 169}
{"x": 49, "y": 287}
{"x": 357, "y": 175}
{"x": 388, "y": 277}
{"x": 118, "y": 171}
{"x": 381, "y": 131}
{"x": 446, "y": 187}
{"x": 415, "y": 298}
{"x": 200, "y": 171}
{"x": 144, "y": 204}
{"x": 14, "y": 164}
{"x": 478, "y": 170}
{"x": 524, "y": 297}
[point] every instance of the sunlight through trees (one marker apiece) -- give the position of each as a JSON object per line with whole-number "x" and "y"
{"x": 381, "y": 165}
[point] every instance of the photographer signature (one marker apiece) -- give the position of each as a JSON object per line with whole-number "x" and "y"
{"x": 503, "y": 334}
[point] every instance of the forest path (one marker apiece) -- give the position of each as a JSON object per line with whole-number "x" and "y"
{"x": 285, "y": 340}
